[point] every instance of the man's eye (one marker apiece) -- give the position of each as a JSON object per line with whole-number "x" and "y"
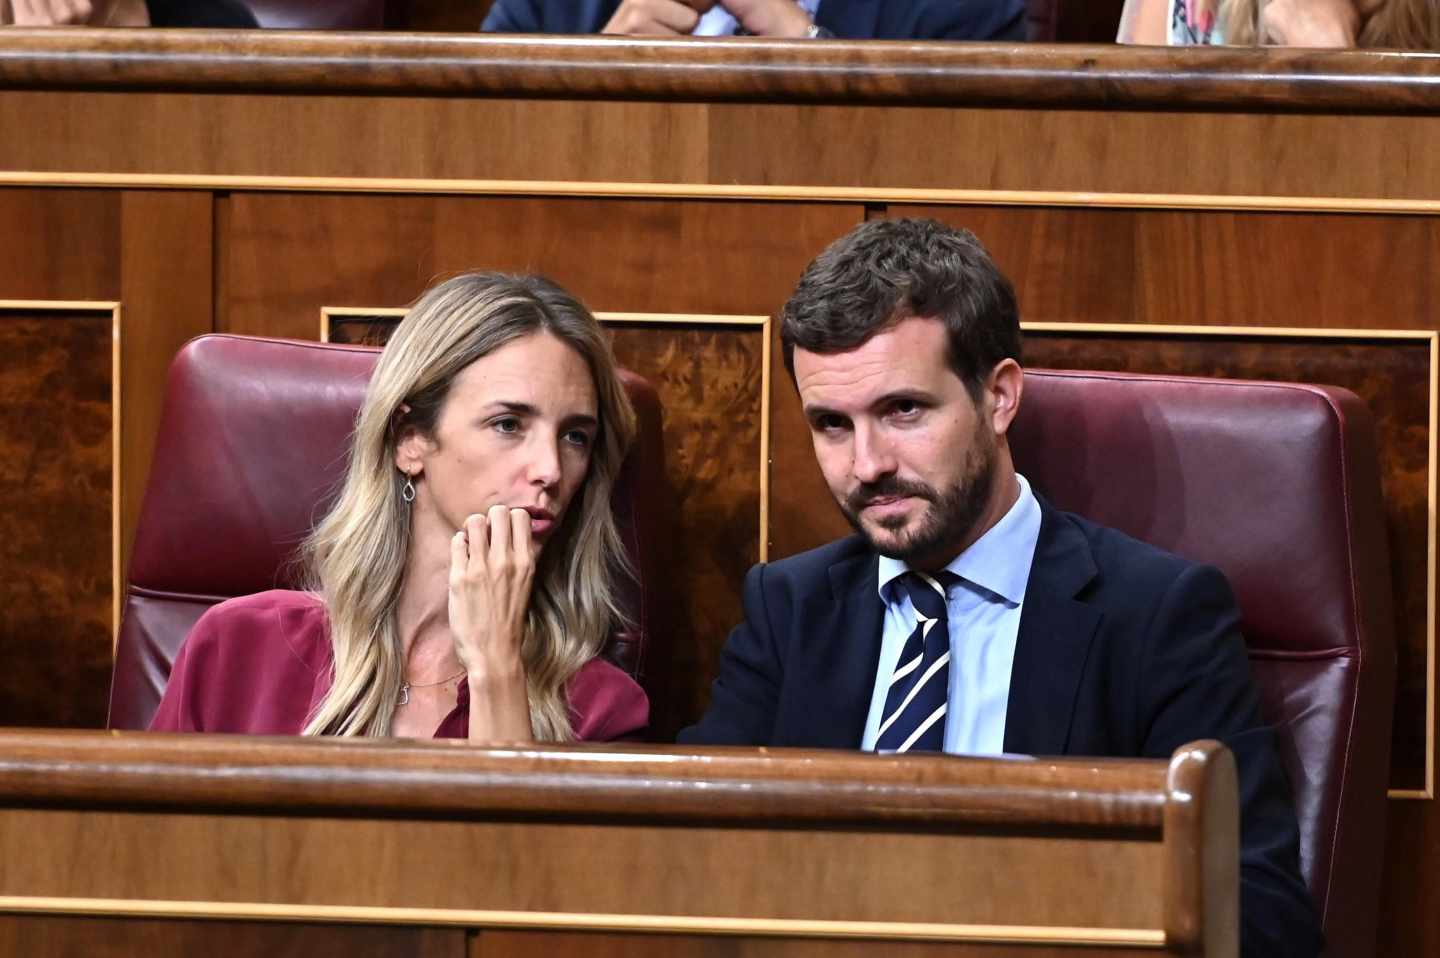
{"x": 905, "y": 407}
{"x": 829, "y": 423}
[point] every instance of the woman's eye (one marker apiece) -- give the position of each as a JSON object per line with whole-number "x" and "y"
{"x": 578, "y": 438}
{"x": 508, "y": 425}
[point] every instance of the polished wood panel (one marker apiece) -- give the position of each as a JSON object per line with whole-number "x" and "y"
{"x": 491, "y": 943}
{"x": 288, "y": 255}
{"x": 691, "y": 68}
{"x": 715, "y": 145}
{"x": 710, "y": 381}
{"x": 166, "y": 262}
{"x": 59, "y": 244}
{"x": 63, "y": 937}
{"x": 56, "y": 596}
{"x": 443, "y": 833}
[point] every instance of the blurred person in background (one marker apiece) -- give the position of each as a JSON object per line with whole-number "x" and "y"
{"x": 1383, "y": 24}
{"x": 815, "y": 19}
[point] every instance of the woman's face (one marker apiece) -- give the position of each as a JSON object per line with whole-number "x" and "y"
{"x": 517, "y": 429}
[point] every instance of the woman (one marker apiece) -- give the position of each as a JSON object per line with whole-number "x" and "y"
{"x": 464, "y": 581}
{"x": 1386, "y": 24}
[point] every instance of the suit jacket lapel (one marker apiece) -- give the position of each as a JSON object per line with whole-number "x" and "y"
{"x": 839, "y": 650}
{"x": 1054, "y": 639}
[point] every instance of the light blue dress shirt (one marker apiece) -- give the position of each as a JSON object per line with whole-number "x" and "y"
{"x": 984, "y": 617}
{"x": 717, "y": 21}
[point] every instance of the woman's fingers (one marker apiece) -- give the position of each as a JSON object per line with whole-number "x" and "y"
{"x": 477, "y": 538}
{"x": 520, "y": 536}
{"x": 498, "y": 521}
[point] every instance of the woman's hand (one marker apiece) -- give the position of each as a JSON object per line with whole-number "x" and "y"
{"x": 95, "y": 13}
{"x": 492, "y": 567}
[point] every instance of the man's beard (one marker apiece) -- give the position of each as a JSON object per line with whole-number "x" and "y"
{"x": 947, "y": 521}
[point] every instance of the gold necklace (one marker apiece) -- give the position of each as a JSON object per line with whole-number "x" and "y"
{"x": 405, "y": 687}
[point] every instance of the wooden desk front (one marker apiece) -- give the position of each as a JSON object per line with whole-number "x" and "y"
{"x": 790, "y": 851}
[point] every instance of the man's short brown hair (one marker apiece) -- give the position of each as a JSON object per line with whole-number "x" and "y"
{"x": 886, "y": 270}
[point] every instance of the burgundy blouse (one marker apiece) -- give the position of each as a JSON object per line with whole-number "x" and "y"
{"x": 259, "y": 664}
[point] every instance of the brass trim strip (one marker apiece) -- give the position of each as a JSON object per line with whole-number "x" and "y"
{"x": 113, "y": 308}
{"x": 658, "y": 319}
{"x": 1433, "y": 467}
{"x": 675, "y": 924}
{"x": 844, "y": 194}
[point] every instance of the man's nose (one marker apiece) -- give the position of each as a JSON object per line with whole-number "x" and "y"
{"x": 873, "y": 457}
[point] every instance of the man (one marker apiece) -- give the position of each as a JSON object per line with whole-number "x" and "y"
{"x": 852, "y": 19}
{"x": 967, "y": 614}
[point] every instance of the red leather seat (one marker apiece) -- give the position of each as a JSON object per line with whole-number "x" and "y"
{"x": 252, "y": 443}
{"x": 1278, "y": 485}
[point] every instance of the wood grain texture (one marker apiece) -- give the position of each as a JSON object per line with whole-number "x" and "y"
{"x": 710, "y": 385}
{"x": 141, "y": 823}
{"x": 288, "y": 255}
{"x": 166, "y": 292}
{"x": 56, "y": 595}
{"x": 53, "y": 936}
{"x": 745, "y": 144}
{"x": 933, "y": 73}
{"x": 491, "y": 943}
{"x": 454, "y": 779}
{"x": 60, "y": 244}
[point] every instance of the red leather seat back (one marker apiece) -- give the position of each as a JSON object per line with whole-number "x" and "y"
{"x": 1278, "y": 485}
{"x": 251, "y": 448}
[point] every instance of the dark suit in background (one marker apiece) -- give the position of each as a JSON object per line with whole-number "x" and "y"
{"x": 850, "y": 19}
{"x": 1122, "y": 651}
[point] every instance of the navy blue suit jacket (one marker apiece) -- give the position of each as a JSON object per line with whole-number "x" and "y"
{"x": 851, "y": 19}
{"x": 1123, "y": 651}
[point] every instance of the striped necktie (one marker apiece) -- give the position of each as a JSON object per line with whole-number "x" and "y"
{"x": 914, "y": 717}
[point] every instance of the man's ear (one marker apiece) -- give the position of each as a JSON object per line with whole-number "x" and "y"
{"x": 1003, "y": 388}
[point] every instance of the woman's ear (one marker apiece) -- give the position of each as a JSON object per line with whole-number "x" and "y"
{"x": 411, "y": 445}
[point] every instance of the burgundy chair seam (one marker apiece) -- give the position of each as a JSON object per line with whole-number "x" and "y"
{"x": 1295, "y": 655}
{"x": 140, "y": 591}
{"x": 1345, "y": 764}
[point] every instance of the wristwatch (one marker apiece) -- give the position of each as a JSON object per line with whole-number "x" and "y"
{"x": 817, "y": 32}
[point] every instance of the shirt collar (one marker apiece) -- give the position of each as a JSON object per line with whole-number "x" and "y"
{"x": 999, "y": 561}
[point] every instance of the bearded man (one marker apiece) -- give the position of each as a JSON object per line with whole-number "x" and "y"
{"x": 966, "y": 614}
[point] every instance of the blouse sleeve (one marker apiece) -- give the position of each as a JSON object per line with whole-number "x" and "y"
{"x": 607, "y": 704}
{"x": 179, "y": 709}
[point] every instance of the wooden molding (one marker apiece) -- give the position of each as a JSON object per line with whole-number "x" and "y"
{"x": 724, "y": 70}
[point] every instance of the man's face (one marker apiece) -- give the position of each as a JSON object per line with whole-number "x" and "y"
{"x": 908, "y": 455}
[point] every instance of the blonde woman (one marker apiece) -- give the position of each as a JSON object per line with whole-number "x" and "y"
{"x": 464, "y": 581}
{"x": 1386, "y": 24}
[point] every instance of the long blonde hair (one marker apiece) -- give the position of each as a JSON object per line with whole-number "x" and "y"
{"x": 356, "y": 557}
{"x": 1393, "y": 24}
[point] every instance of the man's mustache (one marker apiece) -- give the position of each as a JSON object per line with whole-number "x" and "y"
{"x": 891, "y": 487}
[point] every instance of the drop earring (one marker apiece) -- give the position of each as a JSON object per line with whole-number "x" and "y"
{"x": 407, "y": 491}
